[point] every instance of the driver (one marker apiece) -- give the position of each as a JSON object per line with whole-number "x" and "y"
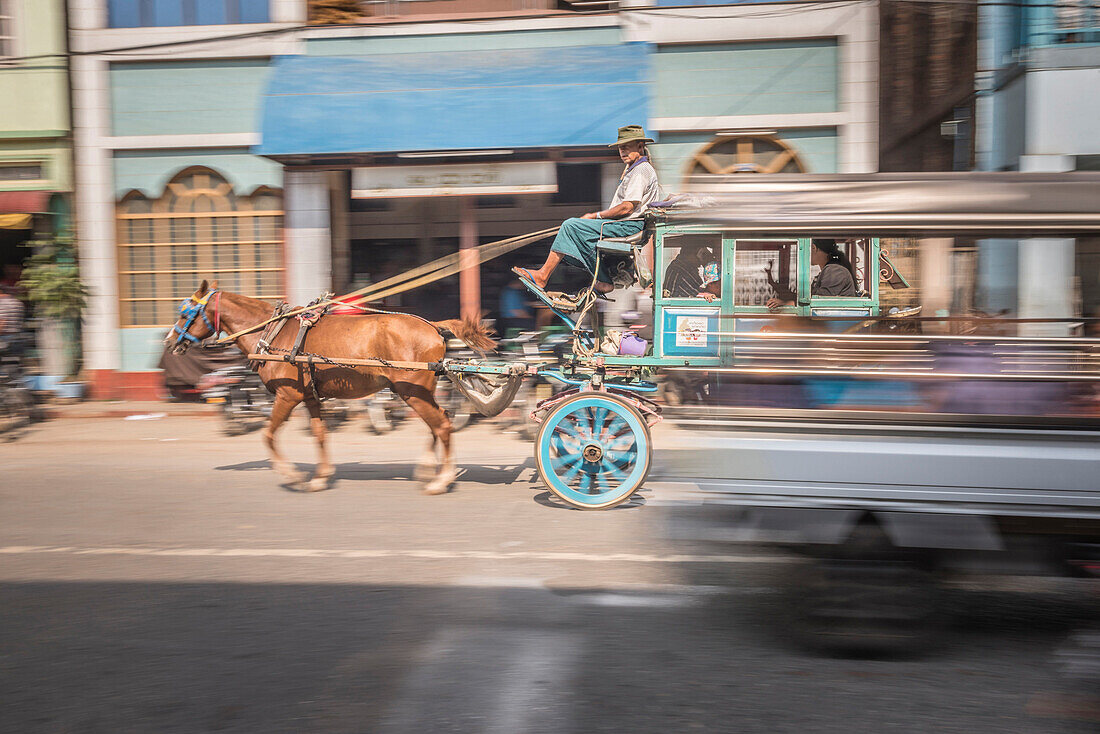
{"x": 576, "y": 241}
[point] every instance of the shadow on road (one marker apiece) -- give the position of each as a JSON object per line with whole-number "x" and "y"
{"x": 189, "y": 657}
{"x": 373, "y": 471}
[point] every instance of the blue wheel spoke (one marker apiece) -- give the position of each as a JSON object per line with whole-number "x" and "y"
{"x": 598, "y": 419}
{"x": 620, "y": 444}
{"x": 609, "y": 468}
{"x": 564, "y": 462}
{"x": 617, "y": 426}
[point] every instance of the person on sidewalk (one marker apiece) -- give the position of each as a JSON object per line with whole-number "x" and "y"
{"x": 575, "y": 242}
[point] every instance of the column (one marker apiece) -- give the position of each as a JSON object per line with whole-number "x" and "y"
{"x": 935, "y": 281}
{"x": 1046, "y": 266}
{"x": 469, "y": 280}
{"x": 340, "y": 201}
{"x": 95, "y": 225}
{"x": 308, "y": 239}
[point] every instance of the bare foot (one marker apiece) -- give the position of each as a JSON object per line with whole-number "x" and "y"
{"x": 534, "y": 276}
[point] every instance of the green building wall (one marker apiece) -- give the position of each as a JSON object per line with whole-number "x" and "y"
{"x": 34, "y": 119}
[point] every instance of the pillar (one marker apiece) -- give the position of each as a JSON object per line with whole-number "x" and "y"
{"x": 935, "y": 280}
{"x": 95, "y": 227}
{"x": 340, "y": 201}
{"x": 307, "y": 235}
{"x": 469, "y": 280}
{"x": 1046, "y": 266}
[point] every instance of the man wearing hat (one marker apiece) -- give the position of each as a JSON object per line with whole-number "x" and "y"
{"x": 575, "y": 242}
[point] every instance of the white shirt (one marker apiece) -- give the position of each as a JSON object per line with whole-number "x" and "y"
{"x": 638, "y": 184}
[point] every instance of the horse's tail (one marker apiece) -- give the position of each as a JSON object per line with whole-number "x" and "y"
{"x": 471, "y": 331}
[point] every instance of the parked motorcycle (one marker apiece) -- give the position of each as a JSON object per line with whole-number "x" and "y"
{"x": 17, "y": 405}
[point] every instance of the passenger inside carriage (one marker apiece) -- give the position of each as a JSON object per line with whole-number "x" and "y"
{"x": 835, "y": 278}
{"x": 693, "y": 273}
{"x": 575, "y": 243}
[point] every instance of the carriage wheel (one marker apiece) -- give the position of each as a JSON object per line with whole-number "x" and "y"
{"x": 593, "y": 450}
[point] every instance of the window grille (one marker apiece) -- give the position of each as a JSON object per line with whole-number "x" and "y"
{"x": 197, "y": 229}
{"x": 7, "y": 31}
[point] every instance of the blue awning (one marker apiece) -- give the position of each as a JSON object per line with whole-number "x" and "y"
{"x": 470, "y": 100}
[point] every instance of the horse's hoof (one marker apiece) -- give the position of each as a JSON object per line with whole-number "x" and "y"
{"x": 438, "y": 488}
{"x": 318, "y": 484}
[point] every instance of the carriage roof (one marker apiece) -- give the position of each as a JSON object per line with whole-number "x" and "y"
{"x": 898, "y": 205}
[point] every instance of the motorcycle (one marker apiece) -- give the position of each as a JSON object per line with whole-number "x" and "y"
{"x": 244, "y": 400}
{"x": 17, "y": 405}
{"x": 384, "y": 411}
{"x": 527, "y": 347}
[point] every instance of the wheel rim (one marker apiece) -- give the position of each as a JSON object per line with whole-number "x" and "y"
{"x": 593, "y": 451}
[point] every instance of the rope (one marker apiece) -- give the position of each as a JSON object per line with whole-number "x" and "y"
{"x": 443, "y": 267}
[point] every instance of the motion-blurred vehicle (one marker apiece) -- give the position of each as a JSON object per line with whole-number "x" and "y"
{"x": 240, "y": 393}
{"x": 383, "y": 411}
{"x": 17, "y": 403}
{"x": 880, "y": 511}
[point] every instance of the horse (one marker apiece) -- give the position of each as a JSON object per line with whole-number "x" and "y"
{"x": 393, "y": 337}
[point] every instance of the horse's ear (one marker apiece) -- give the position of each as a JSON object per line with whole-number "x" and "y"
{"x": 214, "y": 285}
{"x": 203, "y": 287}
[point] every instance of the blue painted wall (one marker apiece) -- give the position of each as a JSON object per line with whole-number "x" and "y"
{"x": 816, "y": 146}
{"x": 515, "y": 98}
{"x": 746, "y": 78}
{"x": 180, "y": 97}
{"x": 149, "y": 170}
{"x": 462, "y": 42}
{"x": 141, "y": 348}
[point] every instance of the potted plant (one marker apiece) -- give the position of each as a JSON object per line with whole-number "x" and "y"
{"x": 51, "y": 280}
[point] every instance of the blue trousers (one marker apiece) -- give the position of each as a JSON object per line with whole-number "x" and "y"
{"x": 576, "y": 241}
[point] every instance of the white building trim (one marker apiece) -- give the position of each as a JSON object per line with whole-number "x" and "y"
{"x": 471, "y": 25}
{"x": 747, "y": 122}
{"x": 154, "y": 142}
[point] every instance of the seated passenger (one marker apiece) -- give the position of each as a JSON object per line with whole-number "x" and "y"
{"x": 834, "y": 279}
{"x": 575, "y": 242}
{"x": 683, "y": 276}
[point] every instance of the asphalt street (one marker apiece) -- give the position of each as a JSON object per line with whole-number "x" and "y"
{"x": 155, "y": 576}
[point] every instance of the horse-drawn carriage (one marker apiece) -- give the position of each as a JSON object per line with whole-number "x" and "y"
{"x": 593, "y": 448}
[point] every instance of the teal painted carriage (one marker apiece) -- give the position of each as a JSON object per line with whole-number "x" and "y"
{"x": 593, "y": 448}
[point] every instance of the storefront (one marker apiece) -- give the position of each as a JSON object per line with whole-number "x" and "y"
{"x": 401, "y": 159}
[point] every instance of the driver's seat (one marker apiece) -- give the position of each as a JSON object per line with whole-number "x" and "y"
{"x": 626, "y": 258}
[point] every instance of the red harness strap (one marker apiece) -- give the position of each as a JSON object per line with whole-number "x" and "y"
{"x": 217, "y": 314}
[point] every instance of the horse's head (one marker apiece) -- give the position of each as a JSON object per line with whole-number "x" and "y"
{"x": 195, "y": 323}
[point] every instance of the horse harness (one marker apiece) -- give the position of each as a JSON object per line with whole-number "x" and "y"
{"x": 193, "y": 308}
{"x": 306, "y": 320}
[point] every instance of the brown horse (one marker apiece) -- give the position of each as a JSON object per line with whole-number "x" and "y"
{"x": 392, "y": 337}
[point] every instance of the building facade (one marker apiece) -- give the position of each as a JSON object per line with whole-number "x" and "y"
{"x": 289, "y": 160}
{"x": 1039, "y": 102}
{"x": 35, "y": 150}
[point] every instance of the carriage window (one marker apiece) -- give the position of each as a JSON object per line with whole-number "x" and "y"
{"x": 691, "y": 266}
{"x": 765, "y": 269}
{"x": 199, "y": 228}
{"x": 858, "y": 253}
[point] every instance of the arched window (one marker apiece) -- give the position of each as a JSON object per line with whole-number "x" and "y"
{"x": 748, "y": 153}
{"x": 199, "y": 228}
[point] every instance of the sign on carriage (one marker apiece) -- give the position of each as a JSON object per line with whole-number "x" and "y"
{"x": 454, "y": 179}
{"x": 691, "y": 331}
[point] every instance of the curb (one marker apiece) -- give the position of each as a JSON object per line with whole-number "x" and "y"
{"x": 170, "y": 410}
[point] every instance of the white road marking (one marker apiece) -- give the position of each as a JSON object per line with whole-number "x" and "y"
{"x": 425, "y": 554}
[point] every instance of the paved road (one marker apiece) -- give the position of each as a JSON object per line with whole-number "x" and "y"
{"x": 154, "y": 577}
